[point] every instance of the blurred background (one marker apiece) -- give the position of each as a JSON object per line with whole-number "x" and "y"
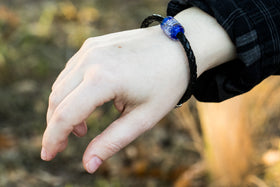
{"x": 234, "y": 143}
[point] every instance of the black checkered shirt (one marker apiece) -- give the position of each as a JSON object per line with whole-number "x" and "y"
{"x": 254, "y": 28}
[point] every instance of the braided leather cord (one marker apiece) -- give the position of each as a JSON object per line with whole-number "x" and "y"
{"x": 192, "y": 66}
{"x": 189, "y": 52}
{"x": 149, "y": 20}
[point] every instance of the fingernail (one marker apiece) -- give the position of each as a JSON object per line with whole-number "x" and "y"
{"x": 93, "y": 164}
{"x": 44, "y": 154}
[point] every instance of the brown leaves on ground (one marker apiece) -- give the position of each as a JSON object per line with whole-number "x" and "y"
{"x": 8, "y": 21}
{"x": 6, "y": 141}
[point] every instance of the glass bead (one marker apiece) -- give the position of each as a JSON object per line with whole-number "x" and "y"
{"x": 171, "y": 27}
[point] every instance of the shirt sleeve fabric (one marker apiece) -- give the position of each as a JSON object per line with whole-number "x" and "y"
{"x": 254, "y": 28}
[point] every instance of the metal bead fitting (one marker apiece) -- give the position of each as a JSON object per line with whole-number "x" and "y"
{"x": 171, "y": 27}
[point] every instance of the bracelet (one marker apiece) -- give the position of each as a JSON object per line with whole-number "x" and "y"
{"x": 175, "y": 31}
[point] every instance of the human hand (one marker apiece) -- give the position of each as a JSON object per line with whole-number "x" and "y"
{"x": 142, "y": 70}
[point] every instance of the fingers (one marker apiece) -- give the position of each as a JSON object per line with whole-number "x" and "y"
{"x": 67, "y": 85}
{"x": 120, "y": 133}
{"x": 80, "y": 130}
{"x": 74, "y": 109}
{"x": 72, "y": 62}
{"x": 69, "y": 78}
{"x": 69, "y": 66}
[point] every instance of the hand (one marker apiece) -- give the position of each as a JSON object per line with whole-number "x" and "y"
{"x": 143, "y": 71}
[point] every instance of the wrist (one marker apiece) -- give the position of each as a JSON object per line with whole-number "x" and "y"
{"x": 209, "y": 41}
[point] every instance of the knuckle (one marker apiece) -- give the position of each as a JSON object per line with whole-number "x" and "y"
{"x": 112, "y": 148}
{"x": 101, "y": 74}
{"x": 70, "y": 61}
{"x": 60, "y": 116}
{"x": 86, "y": 58}
{"x": 93, "y": 72}
{"x": 53, "y": 100}
{"x": 96, "y": 73}
{"x": 54, "y": 86}
{"x": 88, "y": 42}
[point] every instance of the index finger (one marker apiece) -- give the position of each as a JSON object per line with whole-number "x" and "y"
{"x": 74, "y": 109}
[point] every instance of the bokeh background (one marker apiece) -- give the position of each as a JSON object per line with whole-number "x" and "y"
{"x": 234, "y": 143}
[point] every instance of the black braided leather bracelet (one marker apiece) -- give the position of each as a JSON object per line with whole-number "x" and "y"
{"x": 175, "y": 31}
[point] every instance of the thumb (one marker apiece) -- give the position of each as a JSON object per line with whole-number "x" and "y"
{"x": 120, "y": 133}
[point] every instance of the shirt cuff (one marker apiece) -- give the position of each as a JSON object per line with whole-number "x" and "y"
{"x": 253, "y": 26}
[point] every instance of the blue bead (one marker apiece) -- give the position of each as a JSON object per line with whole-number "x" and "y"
{"x": 171, "y": 27}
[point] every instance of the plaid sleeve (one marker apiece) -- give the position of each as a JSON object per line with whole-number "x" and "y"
{"x": 254, "y": 28}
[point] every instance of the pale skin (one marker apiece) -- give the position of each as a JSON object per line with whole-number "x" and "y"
{"x": 142, "y": 71}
